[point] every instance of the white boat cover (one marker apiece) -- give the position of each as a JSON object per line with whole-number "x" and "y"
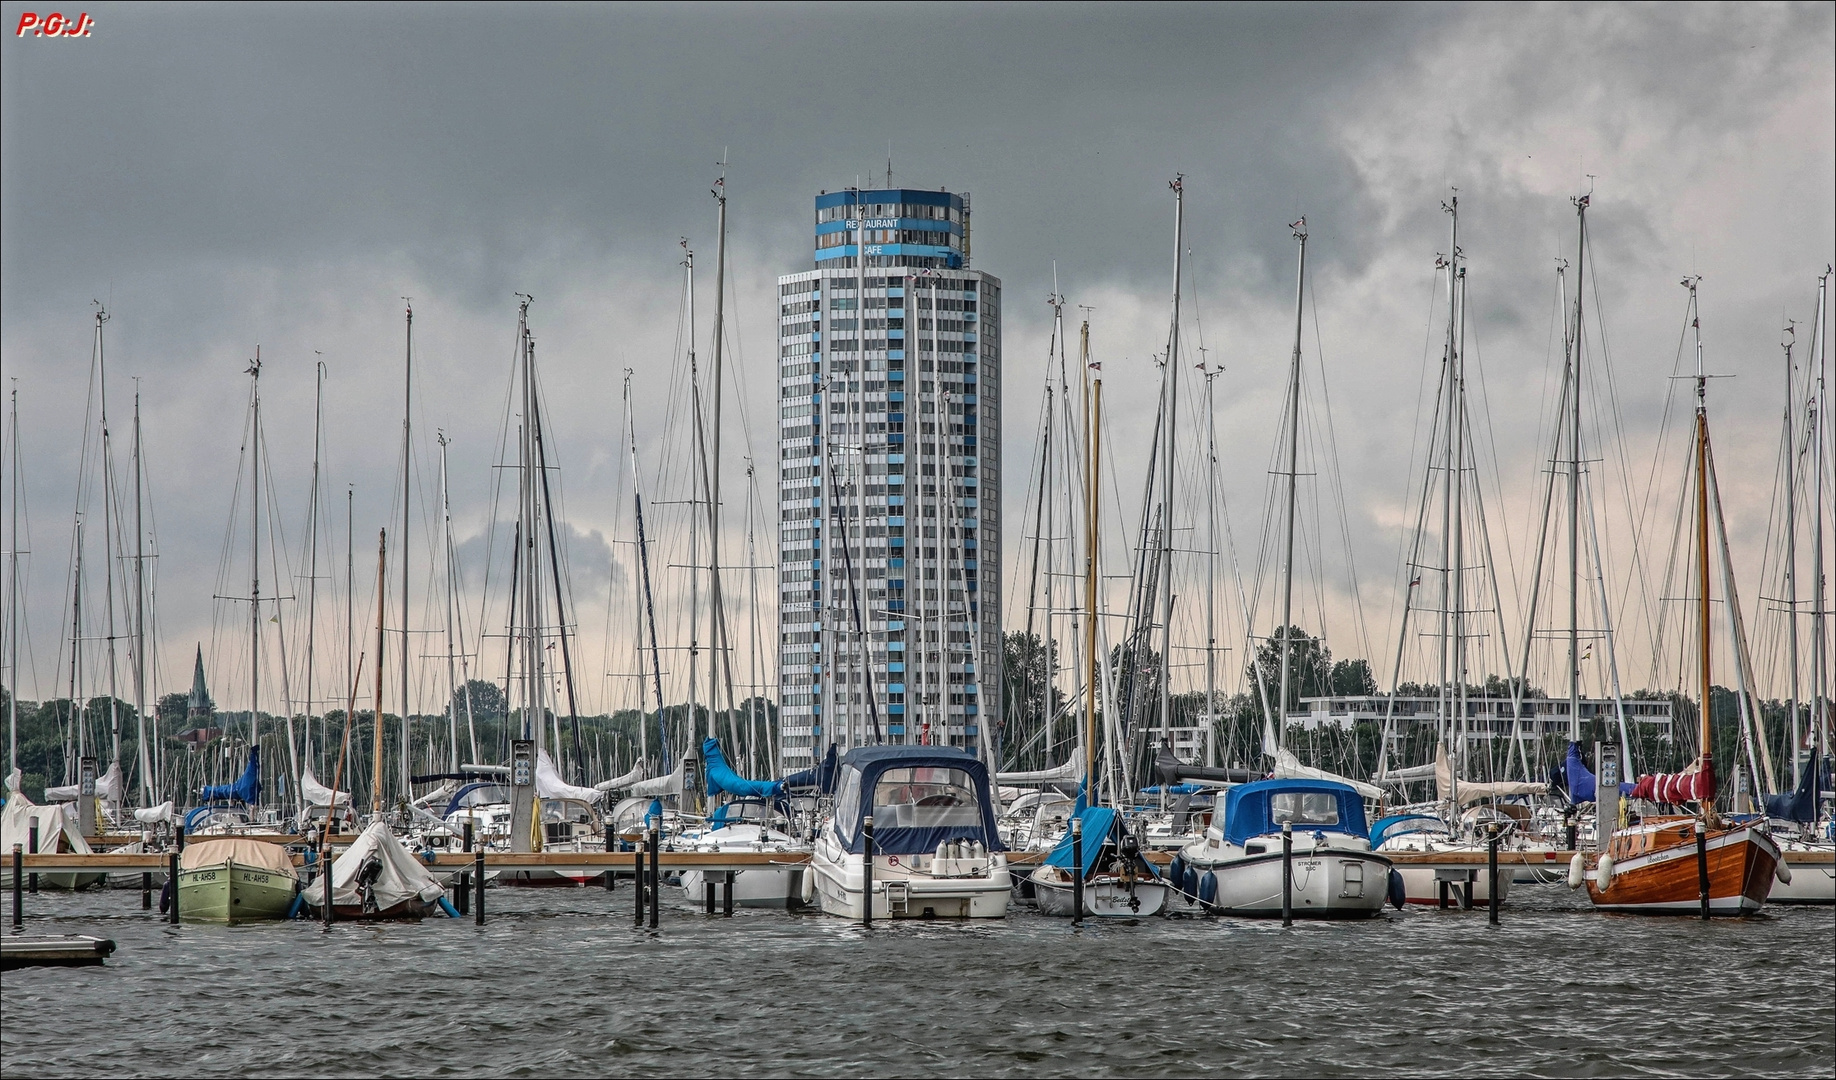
{"x": 1287, "y": 766}
{"x": 442, "y": 795}
{"x": 659, "y": 785}
{"x": 153, "y": 815}
{"x": 639, "y": 772}
{"x": 1072, "y": 769}
{"x": 217, "y": 850}
{"x": 108, "y": 787}
{"x": 1398, "y": 776}
{"x": 13, "y": 779}
{"x": 549, "y": 784}
{"x": 403, "y": 876}
{"x": 1472, "y": 790}
{"x": 54, "y": 820}
{"x": 317, "y": 794}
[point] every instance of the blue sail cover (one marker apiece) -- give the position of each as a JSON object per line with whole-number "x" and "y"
{"x": 1100, "y": 823}
{"x": 1249, "y": 811}
{"x": 722, "y": 778}
{"x": 861, "y": 770}
{"x": 821, "y": 778}
{"x": 245, "y": 790}
{"x": 1581, "y": 780}
{"x": 1385, "y": 825}
{"x": 1799, "y": 805}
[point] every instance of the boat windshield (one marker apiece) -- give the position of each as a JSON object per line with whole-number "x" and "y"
{"x": 925, "y": 798}
{"x": 482, "y": 795}
{"x": 1304, "y": 807}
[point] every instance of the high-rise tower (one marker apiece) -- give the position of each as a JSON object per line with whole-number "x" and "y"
{"x": 889, "y": 458}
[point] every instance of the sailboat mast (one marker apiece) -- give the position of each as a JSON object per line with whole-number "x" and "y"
{"x": 1168, "y": 428}
{"x": 402, "y": 541}
{"x": 1791, "y": 563}
{"x": 12, "y": 595}
{"x": 1211, "y": 567}
{"x": 313, "y": 514}
{"x": 376, "y": 728}
{"x": 148, "y": 787}
{"x": 1287, "y": 558}
{"x": 446, "y": 541}
{"x": 649, "y": 615}
{"x": 711, "y": 465}
{"x": 255, "y": 551}
{"x": 108, "y": 545}
{"x": 1702, "y": 566}
{"x": 1449, "y": 520}
{"x": 1820, "y": 716}
{"x": 1574, "y": 481}
{"x": 1093, "y": 438}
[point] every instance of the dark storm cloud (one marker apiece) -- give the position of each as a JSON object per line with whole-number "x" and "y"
{"x": 282, "y": 175}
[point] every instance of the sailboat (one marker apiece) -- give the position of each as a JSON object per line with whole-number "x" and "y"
{"x": 1700, "y": 862}
{"x": 1443, "y": 827}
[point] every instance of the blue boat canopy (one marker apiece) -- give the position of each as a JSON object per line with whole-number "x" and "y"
{"x": 1799, "y": 805}
{"x": 1100, "y": 823}
{"x": 247, "y": 789}
{"x": 1257, "y": 809}
{"x": 1580, "y": 778}
{"x": 919, "y": 796}
{"x": 722, "y": 778}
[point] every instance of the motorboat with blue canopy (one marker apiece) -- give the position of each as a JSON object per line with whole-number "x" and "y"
{"x": 1252, "y": 810}
{"x": 922, "y": 796}
{"x": 1236, "y": 867}
{"x": 936, "y": 850}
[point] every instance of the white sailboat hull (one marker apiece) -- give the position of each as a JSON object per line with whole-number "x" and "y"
{"x": 755, "y": 887}
{"x": 1103, "y": 899}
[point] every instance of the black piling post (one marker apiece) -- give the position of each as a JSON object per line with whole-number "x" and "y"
{"x": 1702, "y": 874}
{"x": 464, "y": 892}
{"x": 478, "y": 872}
{"x": 611, "y": 845}
{"x": 325, "y": 873}
{"x": 146, "y": 890}
{"x": 1466, "y": 895}
{"x": 656, "y": 876}
{"x": 1287, "y": 873}
{"x": 32, "y": 848}
{"x": 1440, "y": 892}
{"x": 707, "y": 892}
{"x": 1491, "y": 872}
{"x": 18, "y": 891}
{"x": 867, "y": 870}
{"x": 637, "y": 876}
{"x": 172, "y": 875}
{"x": 726, "y": 894}
{"x": 1077, "y": 871}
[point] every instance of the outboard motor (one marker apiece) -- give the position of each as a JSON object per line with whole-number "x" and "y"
{"x": 366, "y": 879}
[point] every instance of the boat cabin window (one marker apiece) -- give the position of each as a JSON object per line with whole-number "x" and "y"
{"x": 483, "y": 795}
{"x": 1304, "y": 807}
{"x": 925, "y": 798}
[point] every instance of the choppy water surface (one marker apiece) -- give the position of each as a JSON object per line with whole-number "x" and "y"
{"x": 560, "y": 983}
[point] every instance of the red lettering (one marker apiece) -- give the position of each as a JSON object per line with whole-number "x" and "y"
{"x": 80, "y": 28}
{"x": 54, "y": 23}
{"x": 27, "y": 22}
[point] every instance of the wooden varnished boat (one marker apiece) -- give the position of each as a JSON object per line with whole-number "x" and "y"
{"x": 1656, "y": 869}
{"x": 1701, "y": 863}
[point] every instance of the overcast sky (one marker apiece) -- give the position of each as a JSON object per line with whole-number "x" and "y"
{"x": 223, "y": 177}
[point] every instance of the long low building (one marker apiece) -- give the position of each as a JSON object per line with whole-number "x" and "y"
{"x": 1486, "y": 717}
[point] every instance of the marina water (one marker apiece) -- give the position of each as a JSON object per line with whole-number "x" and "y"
{"x": 559, "y": 983}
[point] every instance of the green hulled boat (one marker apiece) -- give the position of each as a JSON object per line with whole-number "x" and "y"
{"x": 235, "y": 880}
